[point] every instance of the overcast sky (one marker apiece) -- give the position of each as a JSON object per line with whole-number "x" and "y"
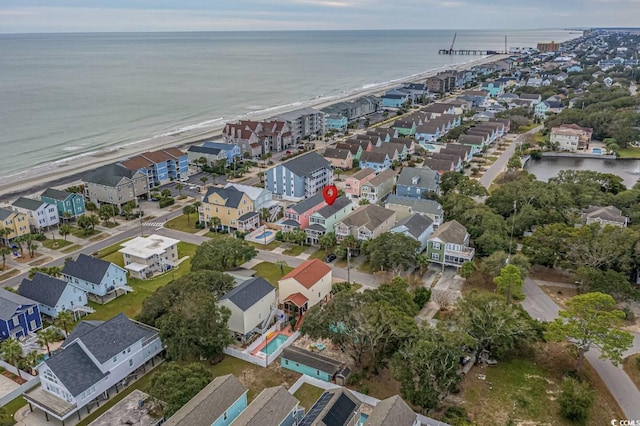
{"x": 20, "y": 16}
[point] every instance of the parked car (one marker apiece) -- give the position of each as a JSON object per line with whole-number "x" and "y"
{"x": 194, "y": 188}
{"x": 184, "y": 179}
{"x": 330, "y": 258}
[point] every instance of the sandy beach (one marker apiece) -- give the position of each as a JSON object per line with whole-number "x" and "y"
{"x": 66, "y": 172}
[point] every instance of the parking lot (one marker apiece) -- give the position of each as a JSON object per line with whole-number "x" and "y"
{"x": 193, "y": 186}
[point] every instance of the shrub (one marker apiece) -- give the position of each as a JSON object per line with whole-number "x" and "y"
{"x": 575, "y": 400}
{"x": 165, "y": 202}
{"x": 200, "y": 225}
{"x": 421, "y": 296}
{"x": 456, "y": 416}
{"x": 638, "y": 363}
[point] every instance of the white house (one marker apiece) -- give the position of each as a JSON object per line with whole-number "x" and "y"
{"x": 307, "y": 285}
{"x": 41, "y": 215}
{"x": 96, "y": 358}
{"x": 251, "y": 304}
{"x": 144, "y": 256}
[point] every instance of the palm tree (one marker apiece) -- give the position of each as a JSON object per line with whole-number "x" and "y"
{"x": 30, "y": 361}
{"x": 215, "y": 222}
{"x": 46, "y": 337}
{"x": 4, "y": 251}
{"x": 63, "y": 320}
{"x": 179, "y": 187}
{"x": 66, "y": 217}
{"x": 281, "y": 264}
{"x": 4, "y": 232}
{"x": 18, "y": 241}
{"x": 34, "y": 247}
{"x": 264, "y": 214}
{"x": 204, "y": 180}
{"x": 187, "y": 210}
{"x": 91, "y": 207}
{"x": 12, "y": 352}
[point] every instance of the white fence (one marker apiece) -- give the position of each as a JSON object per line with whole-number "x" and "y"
{"x": 261, "y": 359}
{"x": 245, "y": 356}
{"x": 32, "y": 382}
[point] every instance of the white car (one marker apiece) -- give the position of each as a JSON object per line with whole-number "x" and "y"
{"x": 184, "y": 179}
{"x": 194, "y": 187}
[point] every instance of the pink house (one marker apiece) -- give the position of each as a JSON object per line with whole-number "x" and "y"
{"x": 354, "y": 182}
{"x": 297, "y": 216}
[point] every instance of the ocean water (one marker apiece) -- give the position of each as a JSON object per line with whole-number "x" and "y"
{"x": 63, "y": 95}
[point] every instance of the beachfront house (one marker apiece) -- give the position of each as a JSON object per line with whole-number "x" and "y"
{"x": 449, "y": 245}
{"x": 307, "y": 285}
{"x": 298, "y": 178}
{"x": 70, "y": 205}
{"x": 14, "y": 224}
{"x": 395, "y": 100}
{"x": 493, "y": 88}
{"x": 145, "y": 256}
{"x": 218, "y": 404}
{"x": 251, "y": 304}
{"x": 314, "y": 365}
{"x": 406, "y": 206}
{"x": 379, "y": 187}
{"x": 54, "y": 295}
{"x": 96, "y": 276}
{"x": 337, "y": 122}
{"x": 19, "y": 316}
{"x": 115, "y": 184}
{"x": 161, "y": 166}
{"x": 97, "y": 358}
{"x": 325, "y": 218}
{"x": 297, "y": 216}
{"x": 272, "y": 407}
{"x": 199, "y": 155}
{"x": 416, "y": 227}
{"x": 417, "y": 182}
{"x": 365, "y": 223}
{"x": 339, "y": 158}
{"x": 231, "y": 150}
{"x": 378, "y": 161}
{"x": 258, "y": 137}
{"x": 304, "y": 123}
{"x": 41, "y": 215}
{"x": 233, "y": 208}
{"x": 355, "y": 108}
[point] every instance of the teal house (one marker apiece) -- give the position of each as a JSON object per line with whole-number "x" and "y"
{"x": 314, "y": 365}
{"x": 405, "y": 127}
{"x": 542, "y": 109}
{"x": 218, "y": 404}
{"x": 493, "y": 88}
{"x": 336, "y": 122}
{"x": 66, "y": 202}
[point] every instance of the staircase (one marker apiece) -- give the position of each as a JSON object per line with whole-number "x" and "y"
{"x": 265, "y": 324}
{"x": 274, "y": 213}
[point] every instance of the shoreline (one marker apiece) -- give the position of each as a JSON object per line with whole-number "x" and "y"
{"x": 69, "y": 171}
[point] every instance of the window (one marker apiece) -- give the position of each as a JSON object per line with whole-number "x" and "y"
{"x": 317, "y": 372}
{"x": 32, "y": 324}
{"x": 286, "y": 362}
{"x": 225, "y": 416}
{"x": 115, "y": 359}
{"x": 131, "y": 362}
{"x": 435, "y": 246}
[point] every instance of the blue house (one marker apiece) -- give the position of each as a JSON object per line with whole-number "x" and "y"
{"x": 430, "y": 132}
{"x": 541, "y": 109}
{"x": 218, "y": 404}
{"x": 160, "y": 166}
{"x": 301, "y": 177}
{"x": 54, "y": 295}
{"x": 96, "y": 276}
{"x": 493, "y": 88}
{"x": 417, "y": 227}
{"x": 336, "y": 122}
{"x": 395, "y": 100}
{"x": 314, "y": 365}
{"x": 273, "y": 407}
{"x": 377, "y": 161}
{"x": 19, "y": 316}
{"x": 417, "y": 182}
{"x": 231, "y": 150}
{"x": 574, "y": 68}
{"x": 66, "y": 202}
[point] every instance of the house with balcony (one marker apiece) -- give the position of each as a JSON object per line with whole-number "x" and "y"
{"x": 198, "y": 155}
{"x": 476, "y": 142}
{"x": 476, "y": 97}
{"x": 259, "y": 137}
{"x": 430, "y": 132}
{"x": 353, "y": 183}
{"x": 336, "y": 122}
{"x": 15, "y": 223}
{"x": 218, "y": 404}
{"x": 69, "y": 204}
{"x": 55, "y": 295}
{"x": 304, "y": 123}
{"x": 458, "y": 164}
{"x": 365, "y": 223}
{"x": 395, "y": 100}
{"x": 307, "y": 285}
{"x": 439, "y": 166}
{"x": 96, "y": 276}
{"x": 379, "y": 187}
{"x": 378, "y": 161}
{"x": 465, "y": 151}
{"x": 94, "y": 361}
{"x": 406, "y": 206}
{"x": 231, "y": 150}
{"x": 571, "y": 137}
{"x": 146, "y": 256}
{"x": 408, "y": 143}
{"x": 323, "y": 220}
{"x": 251, "y": 304}
{"x": 298, "y": 215}
{"x": 405, "y": 126}
{"x": 161, "y": 166}
{"x": 438, "y": 109}
{"x": 274, "y": 406}
{"x": 416, "y": 227}
{"x": 354, "y": 148}
{"x": 19, "y": 316}
{"x": 489, "y": 133}
{"x": 299, "y": 178}
{"x": 449, "y": 245}
{"x": 115, "y": 184}
{"x": 41, "y": 216}
{"x": 339, "y": 158}
{"x": 234, "y": 208}
{"x": 607, "y": 215}
{"x": 493, "y": 88}
{"x": 260, "y": 197}
{"x": 417, "y": 182}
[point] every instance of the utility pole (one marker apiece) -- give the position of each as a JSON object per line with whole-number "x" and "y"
{"x": 513, "y": 225}
{"x": 348, "y": 265}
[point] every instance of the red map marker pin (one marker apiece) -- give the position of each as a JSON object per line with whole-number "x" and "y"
{"x": 330, "y": 193}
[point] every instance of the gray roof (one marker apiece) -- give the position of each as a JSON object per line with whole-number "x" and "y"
{"x": 109, "y": 175}
{"x": 75, "y": 369}
{"x": 55, "y": 194}
{"x": 373, "y": 157}
{"x": 249, "y": 293}
{"x": 10, "y": 302}
{"x": 427, "y": 178}
{"x": 312, "y": 359}
{"x": 270, "y": 408}
{"x": 391, "y": 411}
{"x": 109, "y": 338}
{"x": 471, "y": 139}
{"x": 87, "y": 268}
{"x": 330, "y": 210}
{"x": 204, "y": 150}
{"x": 308, "y": 203}
{"x": 370, "y": 216}
{"x": 43, "y": 289}
{"x": 417, "y": 205}
{"x": 210, "y": 403}
{"x": 383, "y": 177}
{"x": 341, "y": 154}
{"x": 291, "y": 222}
{"x": 5, "y": 213}
{"x": 306, "y": 164}
{"x": 248, "y": 215}
{"x": 450, "y": 232}
{"x": 231, "y": 195}
{"x": 316, "y": 227}
{"x": 455, "y": 147}
{"x": 28, "y": 203}
{"x": 414, "y": 224}
{"x": 361, "y": 174}
{"x": 608, "y": 213}
{"x": 439, "y": 165}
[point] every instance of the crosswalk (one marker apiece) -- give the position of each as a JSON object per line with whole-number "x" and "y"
{"x": 153, "y": 224}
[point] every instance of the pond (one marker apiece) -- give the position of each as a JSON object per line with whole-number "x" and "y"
{"x": 546, "y": 168}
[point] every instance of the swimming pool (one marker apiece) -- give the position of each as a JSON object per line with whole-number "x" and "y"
{"x": 274, "y": 344}
{"x": 264, "y": 235}
{"x": 363, "y": 418}
{"x": 596, "y": 151}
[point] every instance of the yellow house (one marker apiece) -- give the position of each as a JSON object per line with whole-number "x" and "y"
{"x": 234, "y": 208}
{"x": 17, "y": 223}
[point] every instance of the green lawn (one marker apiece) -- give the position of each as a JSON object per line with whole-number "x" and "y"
{"x": 59, "y": 244}
{"x": 629, "y": 152}
{"x": 78, "y": 232}
{"x": 131, "y": 303}
{"x": 9, "y": 410}
{"x": 319, "y": 254}
{"x": 308, "y": 395}
{"x": 216, "y": 235}
{"x": 271, "y": 272}
{"x": 111, "y": 249}
{"x": 181, "y": 223}
{"x": 295, "y": 250}
{"x": 272, "y": 245}
{"x": 71, "y": 249}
